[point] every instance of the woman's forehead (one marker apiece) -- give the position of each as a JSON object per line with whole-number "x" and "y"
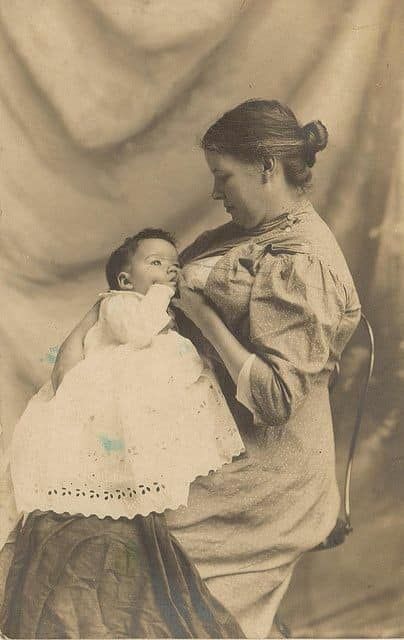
{"x": 219, "y": 161}
{"x": 224, "y": 162}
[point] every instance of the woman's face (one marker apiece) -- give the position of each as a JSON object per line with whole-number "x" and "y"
{"x": 240, "y": 186}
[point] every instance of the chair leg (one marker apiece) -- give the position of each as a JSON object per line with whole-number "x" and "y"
{"x": 282, "y": 627}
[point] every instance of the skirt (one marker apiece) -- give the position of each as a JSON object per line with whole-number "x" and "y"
{"x": 83, "y": 577}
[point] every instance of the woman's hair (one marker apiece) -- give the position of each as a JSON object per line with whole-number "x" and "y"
{"x": 119, "y": 259}
{"x": 258, "y": 130}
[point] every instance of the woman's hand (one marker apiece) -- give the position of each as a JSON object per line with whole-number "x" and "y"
{"x": 193, "y": 304}
{"x": 197, "y": 309}
{"x": 72, "y": 349}
{"x": 68, "y": 356}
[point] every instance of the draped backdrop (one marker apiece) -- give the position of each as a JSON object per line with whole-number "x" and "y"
{"x": 103, "y": 104}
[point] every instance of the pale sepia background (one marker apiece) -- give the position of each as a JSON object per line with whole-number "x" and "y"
{"x": 102, "y": 105}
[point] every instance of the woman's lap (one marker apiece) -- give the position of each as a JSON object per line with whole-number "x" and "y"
{"x": 257, "y": 516}
{"x": 78, "y": 577}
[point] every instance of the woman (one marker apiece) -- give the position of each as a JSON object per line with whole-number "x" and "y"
{"x": 275, "y": 299}
{"x": 270, "y": 299}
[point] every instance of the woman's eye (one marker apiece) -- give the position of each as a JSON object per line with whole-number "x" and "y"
{"x": 156, "y": 263}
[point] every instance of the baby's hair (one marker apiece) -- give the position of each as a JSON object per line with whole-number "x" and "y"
{"x": 119, "y": 259}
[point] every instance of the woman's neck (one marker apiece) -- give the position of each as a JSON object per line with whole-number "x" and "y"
{"x": 286, "y": 200}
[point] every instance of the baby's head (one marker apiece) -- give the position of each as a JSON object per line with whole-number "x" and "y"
{"x": 149, "y": 257}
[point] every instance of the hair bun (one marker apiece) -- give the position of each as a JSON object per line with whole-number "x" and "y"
{"x": 316, "y": 138}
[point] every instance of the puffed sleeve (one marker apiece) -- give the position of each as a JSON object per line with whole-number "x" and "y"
{"x": 295, "y": 309}
{"x": 134, "y": 319}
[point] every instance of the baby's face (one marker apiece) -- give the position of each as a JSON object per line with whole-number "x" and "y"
{"x": 155, "y": 262}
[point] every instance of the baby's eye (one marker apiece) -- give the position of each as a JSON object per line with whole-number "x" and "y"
{"x": 156, "y": 263}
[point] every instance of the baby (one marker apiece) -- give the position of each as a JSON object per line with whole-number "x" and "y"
{"x": 138, "y": 416}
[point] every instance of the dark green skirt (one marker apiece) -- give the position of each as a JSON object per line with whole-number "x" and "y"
{"x": 85, "y": 577}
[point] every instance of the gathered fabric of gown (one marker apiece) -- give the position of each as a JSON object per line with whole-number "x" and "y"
{"x": 130, "y": 426}
{"x": 285, "y": 291}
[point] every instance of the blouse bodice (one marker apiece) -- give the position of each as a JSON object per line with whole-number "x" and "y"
{"x": 285, "y": 291}
{"x": 289, "y": 297}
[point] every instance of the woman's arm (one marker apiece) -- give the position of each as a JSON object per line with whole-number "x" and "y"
{"x": 71, "y": 351}
{"x": 296, "y": 306}
{"x": 195, "y": 307}
{"x": 295, "y": 310}
{"x": 232, "y": 353}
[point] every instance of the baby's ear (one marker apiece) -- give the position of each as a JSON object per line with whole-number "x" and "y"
{"x": 124, "y": 280}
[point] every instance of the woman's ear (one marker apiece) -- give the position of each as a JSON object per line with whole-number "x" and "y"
{"x": 124, "y": 280}
{"x": 269, "y": 168}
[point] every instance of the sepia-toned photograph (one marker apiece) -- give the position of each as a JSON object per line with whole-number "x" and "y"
{"x": 202, "y": 319}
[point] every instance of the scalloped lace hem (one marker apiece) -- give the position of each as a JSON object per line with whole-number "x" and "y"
{"x": 150, "y": 497}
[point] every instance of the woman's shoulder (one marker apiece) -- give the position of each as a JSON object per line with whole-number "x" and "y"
{"x": 285, "y": 259}
{"x": 307, "y": 243}
{"x": 284, "y": 273}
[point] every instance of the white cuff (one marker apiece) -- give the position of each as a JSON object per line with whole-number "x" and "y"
{"x": 244, "y": 394}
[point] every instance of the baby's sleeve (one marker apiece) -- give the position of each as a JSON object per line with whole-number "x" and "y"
{"x": 136, "y": 320}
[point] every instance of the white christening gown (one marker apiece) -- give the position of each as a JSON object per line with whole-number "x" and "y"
{"x": 131, "y": 426}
